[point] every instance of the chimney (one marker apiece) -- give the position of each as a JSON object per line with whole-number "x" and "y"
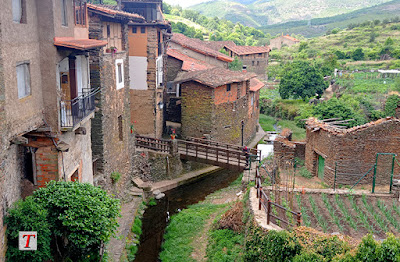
{"x": 244, "y": 69}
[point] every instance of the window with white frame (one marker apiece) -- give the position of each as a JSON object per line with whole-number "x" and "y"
{"x": 119, "y": 73}
{"x": 19, "y": 11}
{"x": 159, "y": 76}
{"x": 23, "y": 80}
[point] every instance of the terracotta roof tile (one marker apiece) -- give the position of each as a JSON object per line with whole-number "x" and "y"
{"x": 314, "y": 123}
{"x": 214, "y": 77}
{"x": 246, "y": 50}
{"x": 79, "y": 44}
{"x": 256, "y": 84}
{"x": 291, "y": 38}
{"x": 189, "y": 63}
{"x": 199, "y": 46}
{"x": 218, "y": 45}
{"x": 110, "y": 11}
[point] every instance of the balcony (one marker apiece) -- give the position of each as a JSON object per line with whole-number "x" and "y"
{"x": 74, "y": 111}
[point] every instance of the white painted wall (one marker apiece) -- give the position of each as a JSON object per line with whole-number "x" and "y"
{"x": 138, "y": 72}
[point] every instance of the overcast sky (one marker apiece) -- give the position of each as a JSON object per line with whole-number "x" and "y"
{"x": 185, "y": 3}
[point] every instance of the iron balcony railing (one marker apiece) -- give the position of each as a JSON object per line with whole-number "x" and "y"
{"x": 75, "y": 110}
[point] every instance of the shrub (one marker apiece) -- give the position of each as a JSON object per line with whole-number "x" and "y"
{"x": 276, "y": 246}
{"x": 28, "y": 216}
{"x": 303, "y": 171}
{"x": 115, "y": 177}
{"x": 308, "y": 257}
{"x": 367, "y": 249}
{"x": 358, "y": 54}
{"x": 80, "y": 216}
{"x": 391, "y": 104}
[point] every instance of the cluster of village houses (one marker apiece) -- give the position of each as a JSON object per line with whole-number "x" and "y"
{"x": 79, "y": 80}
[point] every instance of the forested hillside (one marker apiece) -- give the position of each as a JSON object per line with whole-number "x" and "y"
{"x": 266, "y": 12}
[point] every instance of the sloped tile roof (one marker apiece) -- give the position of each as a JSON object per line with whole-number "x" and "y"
{"x": 214, "y": 77}
{"x": 314, "y": 123}
{"x": 199, "y": 46}
{"x": 189, "y": 63}
{"x": 110, "y": 11}
{"x": 218, "y": 45}
{"x": 247, "y": 50}
{"x": 78, "y": 44}
{"x": 291, "y": 38}
{"x": 256, "y": 84}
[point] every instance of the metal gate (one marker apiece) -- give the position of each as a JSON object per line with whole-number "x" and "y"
{"x": 383, "y": 173}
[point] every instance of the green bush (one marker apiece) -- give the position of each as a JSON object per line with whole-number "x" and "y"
{"x": 80, "y": 216}
{"x": 303, "y": 171}
{"x": 278, "y": 246}
{"x": 391, "y": 104}
{"x": 367, "y": 250}
{"x": 308, "y": 257}
{"x": 115, "y": 177}
{"x": 28, "y": 216}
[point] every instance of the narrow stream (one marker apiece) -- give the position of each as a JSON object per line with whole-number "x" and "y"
{"x": 155, "y": 217}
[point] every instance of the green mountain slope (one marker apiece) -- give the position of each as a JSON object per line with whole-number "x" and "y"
{"x": 266, "y": 12}
{"x": 319, "y": 26}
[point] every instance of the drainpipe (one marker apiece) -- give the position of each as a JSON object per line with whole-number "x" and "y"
{"x": 242, "y": 132}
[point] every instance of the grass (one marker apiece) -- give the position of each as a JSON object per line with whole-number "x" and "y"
{"x": 298, "y": 132}
{"x": 181, "y": 232}
{"x": 225, "y": 245}
{"x": 267, "y": 122}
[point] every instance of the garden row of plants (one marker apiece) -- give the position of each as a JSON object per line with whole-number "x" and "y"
{"x": 346, "y": 210}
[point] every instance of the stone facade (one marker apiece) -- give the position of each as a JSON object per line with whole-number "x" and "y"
{"x": 283, "y": 40}
{"x": 354, "y": 150}
{"x": 218, "y": 113}
{"x": 112, "y": 139}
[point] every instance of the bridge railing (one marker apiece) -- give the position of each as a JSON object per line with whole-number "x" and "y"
{"x": 253, "y": 151}
{"x": 161, "y": 145}
{"x": 265, "y": 202}
{"x": 211, "y": 152}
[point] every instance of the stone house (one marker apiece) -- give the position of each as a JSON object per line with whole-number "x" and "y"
{"x": 46, "y": 100}
{"x": 147, "y": 42}
{"x": 220, "y": 104}
{"x": 283, "y": 40}
{"x": 254, "y": 58}
{"x": 112, "y": 137}
{"x": 353, "y": 151}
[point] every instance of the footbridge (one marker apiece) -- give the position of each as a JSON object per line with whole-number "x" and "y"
{"x": 199, "y": 150}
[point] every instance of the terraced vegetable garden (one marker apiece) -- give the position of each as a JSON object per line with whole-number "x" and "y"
{"x": 351, "y": 215}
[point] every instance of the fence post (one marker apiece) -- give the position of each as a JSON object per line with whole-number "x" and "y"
{"x": 391, "y": 175}
{"x": 298, "y": 219}
{"x": 268, "y": 211}
{"x": 334, "y": 182}
{"x": 373, "y": 180}
{"x": 259, "y": 200}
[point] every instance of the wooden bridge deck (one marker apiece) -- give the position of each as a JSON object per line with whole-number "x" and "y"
{"x": 200, "y": 150}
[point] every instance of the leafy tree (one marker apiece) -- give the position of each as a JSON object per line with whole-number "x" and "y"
{"x": 338, "y": 108}
{"x": 80, "y": 217}
{"x": 358, "y": 54}
{"x": 303, "y": 46}
{"x": 167, "y": 8}
{"x": 301, "y": 79}
{"x": 236, "y": 64}
{"x": 391, "y": 104}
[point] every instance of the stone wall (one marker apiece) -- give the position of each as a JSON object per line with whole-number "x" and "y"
{"x": 112, "y": 140}
{"x": 354, "y": 151}
{"x": 174, "y": 66}
{"x": 284, "y": 149}
{"x": 197, "y": 109}
{"x": 257, "y": 65}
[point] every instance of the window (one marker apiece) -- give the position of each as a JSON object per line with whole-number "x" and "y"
{"x": 119, "y": 73}
{"x": 120, "y": 128}
{"x": 252, "y": 63}
{"x": 23, "y": 80}
{"x": 228, "y": 87}
{"x": 80, "y": 12}
{"x": 108, "y": 31}
{"x": 134, "y": 30}
{"x": 143, "y": 30}
{"x": 258, "y": 63}
{"x": 64, "y": 16}
{"x": 19, "y": 11}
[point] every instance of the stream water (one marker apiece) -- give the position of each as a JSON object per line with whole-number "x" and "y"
{"x": 155, "y": 218}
